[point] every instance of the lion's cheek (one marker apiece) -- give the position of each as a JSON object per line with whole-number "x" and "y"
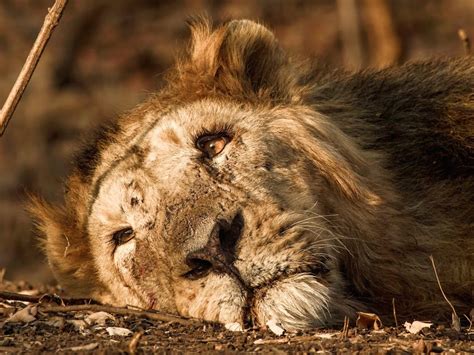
{"x": 124, "y": 279}
{"x": 297, "y": 302}
{"x": 123, "y": 257}
{"x": 115, "y": 271}
{"x": 218, "y": 298}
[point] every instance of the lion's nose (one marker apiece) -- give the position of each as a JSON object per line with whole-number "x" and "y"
{"x": 219, "y": 253}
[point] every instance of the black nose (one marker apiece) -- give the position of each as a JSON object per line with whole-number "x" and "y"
{"x": 219, "y": 253}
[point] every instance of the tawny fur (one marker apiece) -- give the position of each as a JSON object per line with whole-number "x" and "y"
{"x": 345, "y": 183}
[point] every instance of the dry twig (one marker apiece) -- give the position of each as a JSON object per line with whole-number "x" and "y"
{"x": 81, "y": 304}
{"x": 50, "y": 22}
{"x": 456, "y": 323}
{"x": 118, "y": 310}
{"x": 12, "y": 296}
{"x": 470, "y": 322}
{"x": 394, "y": 312}
{"x": 275, "y": 341}
{"x": 345, "y": 328}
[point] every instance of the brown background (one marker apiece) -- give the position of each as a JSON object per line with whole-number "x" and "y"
{"x": 107, "y": 55}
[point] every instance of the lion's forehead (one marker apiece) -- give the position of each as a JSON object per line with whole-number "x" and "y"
{"x": 162, "y": 155}
{"x": 162, "y": 140}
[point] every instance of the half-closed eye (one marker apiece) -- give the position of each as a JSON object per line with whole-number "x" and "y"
{"x": 123, "y": 235}
{"x": 212, "y": 145}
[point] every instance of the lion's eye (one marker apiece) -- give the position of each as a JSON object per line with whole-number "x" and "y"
{"x": 212, "y": 145}
{"x": 122, "y": 236}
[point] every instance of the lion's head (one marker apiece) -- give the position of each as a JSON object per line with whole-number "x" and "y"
{"x": 226, "y": 196}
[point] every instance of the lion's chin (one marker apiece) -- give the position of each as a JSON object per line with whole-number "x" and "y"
{"x": 296, "y": 302}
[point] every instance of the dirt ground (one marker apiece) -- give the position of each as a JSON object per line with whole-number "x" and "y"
{"x": 39, "y": 330}
{"x": 41, "y": 336}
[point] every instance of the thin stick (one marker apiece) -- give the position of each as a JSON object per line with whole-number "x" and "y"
{"x": 439, "y": 285}
{"x": 470, "y": 322}
{"x": 83, "y": 304}
{"x": 454, "y": 315}
{"x": 12, "y": 296}
{"x": 394, "y": 312}
{"x": 118, "y": 310}
{"x": 465, "y": 40}
{"x": 345, "y": 329}
{"x": 274, "y": 341}
{"x": 50, "y": 22}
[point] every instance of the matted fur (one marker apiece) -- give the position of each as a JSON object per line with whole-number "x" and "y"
{"x": 341, "y": 185}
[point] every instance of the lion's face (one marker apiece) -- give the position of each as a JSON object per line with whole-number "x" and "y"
{"x": 216, "y": 198}
{"x": 246, "y": 190}
{"x": 209, "y": 218}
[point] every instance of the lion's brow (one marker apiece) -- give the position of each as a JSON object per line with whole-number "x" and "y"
{"x": 130, "y": 151}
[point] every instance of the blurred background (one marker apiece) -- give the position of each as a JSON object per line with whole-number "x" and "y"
{"x": 106, "y": 56}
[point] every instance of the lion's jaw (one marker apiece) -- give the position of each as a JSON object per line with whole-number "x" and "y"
{"x": 282, "y": 264}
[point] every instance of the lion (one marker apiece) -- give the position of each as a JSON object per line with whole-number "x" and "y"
{"x": 254, "y": 187}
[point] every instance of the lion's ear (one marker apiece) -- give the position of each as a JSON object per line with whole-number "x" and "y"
{"x": 68, "y": 254}
{"x": 242, "y": 56}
